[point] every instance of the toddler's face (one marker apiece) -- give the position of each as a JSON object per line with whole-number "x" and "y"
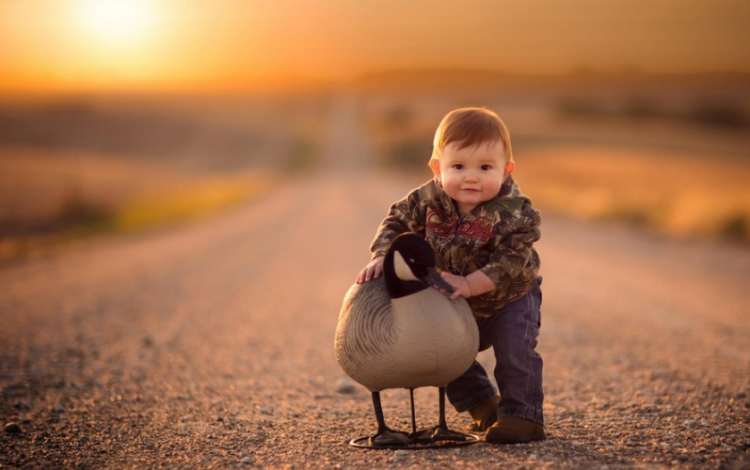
{"x": 472, "y": 175}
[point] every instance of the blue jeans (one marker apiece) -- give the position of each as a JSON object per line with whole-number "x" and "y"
{"x": 512, "y": 332}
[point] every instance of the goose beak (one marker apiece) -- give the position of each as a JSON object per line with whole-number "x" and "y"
{"x": 434, "y": 279}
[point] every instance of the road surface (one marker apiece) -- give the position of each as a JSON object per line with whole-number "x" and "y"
{"x": 210, "y": 345}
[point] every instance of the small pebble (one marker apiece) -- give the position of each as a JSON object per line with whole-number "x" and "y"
{"x": 345, "y": 386}
{"x": 400, "y": 455}
{"x": 246, "y": 460}
{"x": 266, "y": 410}
{"x": 12, "y": 428}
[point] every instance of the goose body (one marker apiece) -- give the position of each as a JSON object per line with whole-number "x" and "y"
{"x": 423, "y": 339}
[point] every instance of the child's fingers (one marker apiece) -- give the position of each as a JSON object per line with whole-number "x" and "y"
{"x": 372, "y": 273}
{"x": 364, "y": 276}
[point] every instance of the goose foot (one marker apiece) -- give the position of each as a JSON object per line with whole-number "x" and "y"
{"x": 437, "y": 434}
{"x": 390, "y": 438}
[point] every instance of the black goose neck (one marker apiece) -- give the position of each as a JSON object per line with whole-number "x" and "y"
{"x": 396, "y": 287}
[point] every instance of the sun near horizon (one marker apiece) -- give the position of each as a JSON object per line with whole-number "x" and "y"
{"x": 117, "y": 21}
{"x": 79, "y": 45}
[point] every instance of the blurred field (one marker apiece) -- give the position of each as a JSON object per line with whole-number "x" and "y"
{"x": 48, "y": 200}
{"x": 664, "y": 153}
{"x": 72, "y": 168}
{"x": 675, "y": 192}
{"x": 669, "y": 156}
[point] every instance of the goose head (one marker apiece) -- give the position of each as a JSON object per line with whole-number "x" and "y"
{"x": 409, "y": 267}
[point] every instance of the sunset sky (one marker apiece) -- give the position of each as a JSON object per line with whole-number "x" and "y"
{"x": 176, "y": 44}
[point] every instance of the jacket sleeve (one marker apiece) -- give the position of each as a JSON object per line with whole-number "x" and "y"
{"x": 514, "y": 258}
{"x": 405, "y": 215}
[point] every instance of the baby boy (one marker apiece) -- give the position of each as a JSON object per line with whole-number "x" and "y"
{"x": 483, "y": 230}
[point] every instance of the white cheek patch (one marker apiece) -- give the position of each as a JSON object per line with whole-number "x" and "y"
{"x": 403, "y": 271}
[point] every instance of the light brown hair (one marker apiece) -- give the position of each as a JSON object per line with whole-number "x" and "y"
{"x": 470, "y": 126}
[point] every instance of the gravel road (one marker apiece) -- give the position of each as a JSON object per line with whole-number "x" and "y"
{"x": 210, "y": 345}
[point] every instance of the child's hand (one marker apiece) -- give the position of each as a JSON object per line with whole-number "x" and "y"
{"x": 373, "y": 270}
{"x": 476, "y": 283}
{"x": 460, "y": 283}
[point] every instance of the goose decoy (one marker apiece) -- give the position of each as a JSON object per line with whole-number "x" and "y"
{"x": 398, "y": 332}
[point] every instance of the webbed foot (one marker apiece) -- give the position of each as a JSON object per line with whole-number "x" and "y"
{"x": 390, "y": 438}
{"x": 437, "y": 434}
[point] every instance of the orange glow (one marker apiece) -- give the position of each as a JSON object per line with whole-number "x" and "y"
{"x": 116, "y": 44}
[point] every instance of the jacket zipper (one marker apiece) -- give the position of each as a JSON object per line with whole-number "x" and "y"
{"x": 454, "y": 238}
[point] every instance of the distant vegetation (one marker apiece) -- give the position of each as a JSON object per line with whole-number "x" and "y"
{"x": 402, "y": 138}
{"x": 173, "y": 139}
{"x": 303, "y": 154}
{"x": 486, "y": 82}
{"x": 714, "y": 112}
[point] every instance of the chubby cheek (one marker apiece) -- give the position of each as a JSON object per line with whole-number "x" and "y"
{"x": 493, "y": 186}
{"x": 448, "y": 181}
{"x": 451, "y": 187}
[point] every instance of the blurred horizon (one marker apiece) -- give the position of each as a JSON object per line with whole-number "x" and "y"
{"x": 450, "y": 80}
{"x": 50, "y": 46}
{"x": 123, "y": 115}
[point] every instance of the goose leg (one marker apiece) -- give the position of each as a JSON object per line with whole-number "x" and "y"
{"x": 441, "y": 394}
{"x": 441, "y": 431}
{"x": 413, "y": 415}
{"x": 385, "y": 436}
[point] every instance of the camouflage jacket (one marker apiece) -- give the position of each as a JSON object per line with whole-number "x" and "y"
{"x": 496, "y": 237}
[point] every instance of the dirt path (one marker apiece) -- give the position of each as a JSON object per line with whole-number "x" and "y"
{"x": 210, "y": 346}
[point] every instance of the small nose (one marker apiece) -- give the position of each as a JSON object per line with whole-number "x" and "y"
{"x": 471, "y": 178}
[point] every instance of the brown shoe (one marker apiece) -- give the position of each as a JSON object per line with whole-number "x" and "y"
{"x": 485, "y": 414}
{"x": 515, "y": 430}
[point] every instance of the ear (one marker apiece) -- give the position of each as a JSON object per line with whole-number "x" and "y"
{"x": 435, "y": 167}
{"x": 509, "y": 167}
